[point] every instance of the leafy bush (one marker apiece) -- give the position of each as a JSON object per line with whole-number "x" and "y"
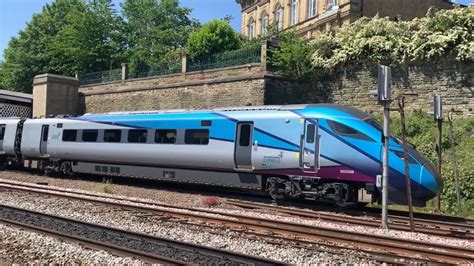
{"x": 371, "y": 41}
{"x": 447, "y": 33}
{"x": 291, "y": 58}
{"x": 107, "y": 186}
{"x": 214, "y": 37}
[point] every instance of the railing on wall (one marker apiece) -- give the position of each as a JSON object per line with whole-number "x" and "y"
{"x": 101, "y": 77}
{"x": 166, "y": 70}
{"x": 242, "y": 56}
{"x": 247, "y": 55}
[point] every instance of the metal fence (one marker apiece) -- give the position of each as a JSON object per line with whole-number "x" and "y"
{"x": 101, "y": 77}
{"x": 242, "y": 56}
{"x": 232, "y": 58}
{"x": 165, "y": 70}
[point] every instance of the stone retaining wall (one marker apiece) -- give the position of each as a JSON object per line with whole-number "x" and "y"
{"x": 249, "y": 85}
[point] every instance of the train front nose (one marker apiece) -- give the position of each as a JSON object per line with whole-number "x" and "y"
{"x": 430, "y": 181}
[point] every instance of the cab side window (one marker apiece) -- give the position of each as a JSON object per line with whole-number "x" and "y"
{"x": 348, "y": 131}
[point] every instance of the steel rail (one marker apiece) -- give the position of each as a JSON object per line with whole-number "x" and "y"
{"x": 225, "y": 256}
{"x": 439, "y": 228}
{"x": 327, "y": 236}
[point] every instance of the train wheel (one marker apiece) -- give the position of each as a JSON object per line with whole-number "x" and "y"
{"x": 66, "y": 169}
{"x": 276, "y": 188}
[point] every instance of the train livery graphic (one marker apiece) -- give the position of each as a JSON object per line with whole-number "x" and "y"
{"x": 323, "y": 152}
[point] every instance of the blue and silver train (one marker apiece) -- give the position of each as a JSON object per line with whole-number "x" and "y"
{"x": 321, "y": 152}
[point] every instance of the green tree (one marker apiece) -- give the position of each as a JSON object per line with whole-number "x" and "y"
{"x": 153, "y": 30}
{"x": 67, "y": 36}
{"x": 90, "y": 41}
{"x": 26, "y": 54}
{"x": 214, "y": 37}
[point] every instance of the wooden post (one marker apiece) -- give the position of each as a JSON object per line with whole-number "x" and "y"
{"x": 401, "y": 106}
{"x": 455, "y": 162}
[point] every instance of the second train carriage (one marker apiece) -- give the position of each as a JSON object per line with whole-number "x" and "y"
{"x": 324, "y": 152}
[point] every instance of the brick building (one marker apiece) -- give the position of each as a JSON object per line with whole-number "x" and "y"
{"x": 308, "y": 17}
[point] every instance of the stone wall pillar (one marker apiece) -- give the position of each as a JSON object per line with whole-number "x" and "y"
{"x": 124, "y": 72}
{"x": 55, "y": 95}
{"x": 184, "y": 64}
{"x": 263, "y": 56}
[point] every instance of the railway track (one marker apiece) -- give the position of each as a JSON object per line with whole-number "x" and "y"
{"x": 122, "y": 242}
{"x": 439, "y": 228}
{"x": 380, "y": 248}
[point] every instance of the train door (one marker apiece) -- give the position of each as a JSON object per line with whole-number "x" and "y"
{"x": 243, "y": 146}
{"x": 310, "y": 146}
{"x": 2, "y": 136}
{"x": 44, "y": 139}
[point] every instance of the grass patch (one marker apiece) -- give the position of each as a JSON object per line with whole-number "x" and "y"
{"x": 107, "y": 186}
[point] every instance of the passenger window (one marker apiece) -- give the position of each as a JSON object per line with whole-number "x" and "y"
{"x": 244, "y": 140}
{"x": 310, "y": 131}
{"x": 197, "y": 136}
{"x": 90, "y": 135}
{"x": 2, "y": 132}
{"x": 112, "y": 135}
{"x": 165, "y": 136}
{"x": 342, "y": 129}
{"x": 69, "y": 135}
{"x": 137, "y": 135}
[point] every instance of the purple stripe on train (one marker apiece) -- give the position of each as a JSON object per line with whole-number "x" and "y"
{"x": 327, "y": 172}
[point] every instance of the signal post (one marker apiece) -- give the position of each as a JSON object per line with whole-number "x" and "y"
{"x": 384, "y": 93}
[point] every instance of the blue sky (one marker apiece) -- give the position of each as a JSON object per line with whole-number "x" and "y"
{"x": 14, "y": 14}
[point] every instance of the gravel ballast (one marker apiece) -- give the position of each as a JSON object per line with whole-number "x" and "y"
{"x": 129, "y": 220}
{"x": 18, "y": 246}
{"x": 214, "y": 237}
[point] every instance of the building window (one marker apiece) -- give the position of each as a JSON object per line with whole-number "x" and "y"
{"x": 312, "y": 8}
{"x": 137, "y": 135}
{"x": 264, "y": 25}
{"x": 279, "y": 17}
{"x": 197, "y": 136}
{"x": 69, "y": 135}
{"x": 331, "y": 4}
{"x": 251, "y": 29}
{"x": 112, "y": 135}
{"x": 165, "y": 136}
{"x": 90, "y": 135}
{"x": 293, "y": 12}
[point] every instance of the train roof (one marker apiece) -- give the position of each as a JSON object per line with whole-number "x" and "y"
{"x": 351, "y": 110}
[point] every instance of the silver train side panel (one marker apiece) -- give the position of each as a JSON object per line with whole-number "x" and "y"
{"x": 7, "y": 145}
{"x": 228, "y": 179}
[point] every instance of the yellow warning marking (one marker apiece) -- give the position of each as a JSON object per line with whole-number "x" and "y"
{"x": 297, "y": 155}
